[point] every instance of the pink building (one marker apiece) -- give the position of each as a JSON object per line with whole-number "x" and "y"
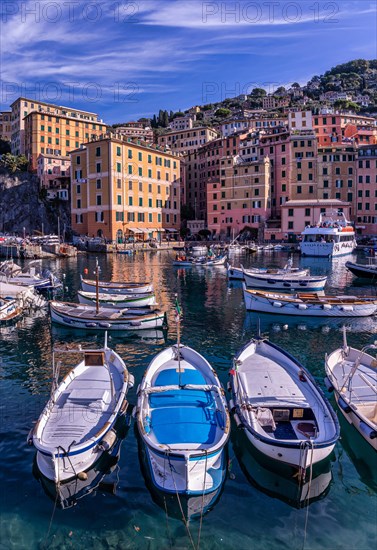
{"x": 297, "y": 214}
{"x": 366, "y": 186}
{"x": 53, "y": 171}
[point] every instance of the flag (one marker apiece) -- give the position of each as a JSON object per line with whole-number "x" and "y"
{"x": 178, "y": 310}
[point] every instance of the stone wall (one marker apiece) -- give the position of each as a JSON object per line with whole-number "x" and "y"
{"x": 23, "y": 206}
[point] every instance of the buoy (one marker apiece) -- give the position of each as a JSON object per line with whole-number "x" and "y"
{"x": 108, "y": 440}
{"x": 86, "y": 271}
{"x": 285, "y": 327}
{"x": 83, "y": 476}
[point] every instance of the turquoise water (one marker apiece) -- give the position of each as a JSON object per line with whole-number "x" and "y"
{"x": 258, "y": 508}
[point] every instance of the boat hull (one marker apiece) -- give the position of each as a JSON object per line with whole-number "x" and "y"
{"x": 264, "y": 305}
{"x": 116, "y": 302}
{"x": 353, "y": 418}
{"x": 363, "y": 271}
{"x": 284, "y": 282}
{"x": 235, "y": 273}
{"x": 326, "y": 250}
{"x": 93, "y": 322}
{"x": 116, "y": 288}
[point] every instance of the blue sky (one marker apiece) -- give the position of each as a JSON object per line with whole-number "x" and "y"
{"x": 127, "y": 59}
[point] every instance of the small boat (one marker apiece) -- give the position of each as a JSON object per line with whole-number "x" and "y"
{"x": 276, "y": 400}
{"x": 309, "y": 304}
{"x": 362, "y": 270}
{"x": 278, "y": 247}
{"x": 287, "y": 269}
{"x": 199, "y": 250}
{"x": 76, "y": 426}
{"x": 183, "y": 421}
{"x": 26, "y": 296}
{"x": 10, "y": 310}
{"x": 284, "y": 281}
{"x": 268, "y": 248}
{"x": 117, "y": 300}
{"x": 113, "y": 287}
{"x": 83, "y": 316}
{"x": 210, "y": 261}
{"x": 39, "y": 279}
{"x": 235, "y": 272}
{"x": 126, "y": 251}
{"x": 183, "y": 261}
{"x": 352, "y": 375}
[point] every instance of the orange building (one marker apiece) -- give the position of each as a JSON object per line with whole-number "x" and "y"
{"x": 56, "y": 134}
{"x": 123, "y": 187}
{"x": 6, "y": 125}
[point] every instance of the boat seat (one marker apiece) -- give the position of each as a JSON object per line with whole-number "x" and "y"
{"x": 171, "y": 377}
{"x": 177, "y": 425}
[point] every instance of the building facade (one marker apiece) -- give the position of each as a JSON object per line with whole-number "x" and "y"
{"x": 123, "y": 188}
{"x": 187, "y": 141}
{"x": 298, "y": 214}
{"x": 366, "y": 185}
{"x": 6, "y": 125}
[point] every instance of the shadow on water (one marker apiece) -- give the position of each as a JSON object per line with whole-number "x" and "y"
{"x": 278, "y": 480}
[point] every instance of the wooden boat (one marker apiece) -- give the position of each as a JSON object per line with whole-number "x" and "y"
{"x": 235, "y": 272}
{"x": 183, "y": 261}
{"x": 283, "y": 281}
{"x": 26, "y": 296}
{"x": 117, "y": 300}
{"x": 352, "y": 375}
{"x": 10, "y": 310}
{"x": 210, "y": 261}
{"x": 183, "y": 421}
{"x": 113, "y": 287}
{"x": 76, "y": 426}
{"x": 288, "y": 269}
{"x": 308, "y": 304}
{"x": 362, "y": 270}
{"x": 284, "y": 414}
{"x": 83, "y": 316}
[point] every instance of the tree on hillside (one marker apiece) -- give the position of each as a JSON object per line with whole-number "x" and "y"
{"x": 14, "y": 163}
{"x": 222, "y": 113}
{"x": 178, "y": 114}
{"x": 259, "y": 92}
{"x": 343, "y": 104}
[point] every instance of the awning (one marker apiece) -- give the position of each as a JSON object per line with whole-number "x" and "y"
{"x": 160, "y": 230}
{"x": 146, "y": 231}
{"x": 135, "y": 230}
{"x": 171, "y": 230}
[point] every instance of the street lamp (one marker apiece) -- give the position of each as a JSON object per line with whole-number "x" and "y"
{"x": 24, "y": 233}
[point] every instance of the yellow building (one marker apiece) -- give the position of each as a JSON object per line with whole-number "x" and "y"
{"x": 187, "y": 141}
{"x": 56, "y": 134}
{"x": 122, "y": 187}
{"x": 23, "y": 106}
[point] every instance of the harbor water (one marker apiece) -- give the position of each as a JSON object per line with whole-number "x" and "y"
{"x": 260, "y": 506}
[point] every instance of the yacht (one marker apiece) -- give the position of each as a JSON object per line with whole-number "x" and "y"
{"x": 333, "y": 235}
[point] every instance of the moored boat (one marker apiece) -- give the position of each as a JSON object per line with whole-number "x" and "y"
{"x": 183, "y": 421}
{"x": 33, "y": 276}
{"x": 284, "y": 281}
{"x": 10, "y": 310}
{"x": 235, "y": 272}
{"x": 352, "y": 375}
{"x": 83, "y": 316}
{"x": 117, "y": 300}
{"x": 308, "y": 304}
{"x": 284, "y": 414}
{"x": 76, "y": 426}
{"x": 366, "y": 271}
{"x": 115, "y": 287}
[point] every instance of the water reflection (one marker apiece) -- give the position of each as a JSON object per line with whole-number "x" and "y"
{"x": 280, "y": 481}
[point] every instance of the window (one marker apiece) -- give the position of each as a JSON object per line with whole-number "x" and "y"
{"x": 98, "y": 151}
{"x": 140, "y": 156}
{"x": 119, "y": 184}
{"x": 98, "y": 167}
{"x": 284, "y": 187}
{"x": 140, "y": 201}
{"x": 99, "y": 184}
{"x": 141, "y": 186}
{"x": 119, "y": 167}
{"x": 150, "y": 218}
{"x": 119, "y": 217}
{"x": 290, "y": 225}
{"x": 130, "y": 153}
{"x": 307, "y": 211}
{"x": 140, "y": 216}
{"x": 299, "y": 189}
{"x": 130, "y": 201}
{"x": 290, "y": 212}
{"x": 299, "y": 177}
{"x": 118, "y": 152}
{"x": 150, "y": 203}
{"x": 119, "y": 199}
{"x": 99, "y": 217}
{"x": 78, "y": 203}
{"x": 149, "y": 159}
{"x": 78, "y": 189}
{"x": 149, "y": 173}
{"x": 79, "y": 218}
{"x": 98, "y": 200}
{"x": 130, "y": 168}
{"x": 131, "y": 216}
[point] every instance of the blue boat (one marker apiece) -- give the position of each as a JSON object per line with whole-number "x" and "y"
{"x": 183, "y": 421}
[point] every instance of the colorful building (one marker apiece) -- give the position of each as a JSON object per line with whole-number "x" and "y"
{"x": 298, "y": 214}
{"x": 339, "y": 128}
{"x": 366, "y": 185}
{"x": 6, "y": 125}
{"x": 187, "y": 141}
{"x": 123, "y": 188}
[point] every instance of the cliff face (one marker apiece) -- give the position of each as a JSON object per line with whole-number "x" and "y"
{"x": 22, "y": 205}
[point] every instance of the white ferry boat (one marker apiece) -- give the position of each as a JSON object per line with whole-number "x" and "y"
{"x": 333, "y": 235}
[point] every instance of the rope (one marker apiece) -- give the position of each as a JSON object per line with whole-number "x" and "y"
{"x": 311, "y": 444}
{"x": 201, "y": 512}
{"x": 180, "y": 506}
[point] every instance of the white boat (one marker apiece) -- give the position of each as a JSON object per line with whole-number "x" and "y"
{"x": 183, "y": 263}
{"x": 199, "y": 250}
{"x": 235, "y": 272}
{"x": 25, "y": 295}
{"x": 287, "y": 269}
{"x": 333, "y": 235}
{"x": 183, "y": 421}
{"x": 284, "y": 281}
{"x": 308, "y": 304}
{"x": 352, "y": 375}
{"x": 117, "y": 300}
{"x": 10, "y": 310}
{"x": 235, "y": 249}
{"x": 76, "y": 426}
{"x": 210, "y": 261}
{"x": 363, "y": 270}
{"x": 83, "y": 316}
{"x": 278, "y": 247}
{"x": 284, "y": 414}
{"x": 34, "y": 276}
{"x": 114, "y": 287}
{"x": 268, "y": 248}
